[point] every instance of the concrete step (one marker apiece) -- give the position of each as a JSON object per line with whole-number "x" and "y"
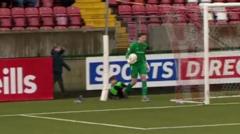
{"x": 97, "y": 16}
{"x": 92, "y": 11}
{"x": 122, "y": 36}
{"x": 90, "y": 5}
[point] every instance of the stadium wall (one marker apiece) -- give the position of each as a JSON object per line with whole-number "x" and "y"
{"x": 39, "y": 43}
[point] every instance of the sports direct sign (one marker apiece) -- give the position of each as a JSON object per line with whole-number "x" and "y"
{"x": 26, "y": 79}
{"x": 170, "y": 69}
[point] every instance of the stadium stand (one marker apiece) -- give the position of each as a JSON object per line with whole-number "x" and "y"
{"x": 5, "y": 19}
{"x": 45, "y": 16}
{"x": 61, "y": 19}
{"x": 74, "y": 17}
{"x": 152, "y": 13}
{"x": 33, "y": 19}
{"x": 18, "y": 16}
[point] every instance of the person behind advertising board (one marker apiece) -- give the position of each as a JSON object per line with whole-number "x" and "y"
{"x": 58, "y": 64}
{"x": 117, "y": 89}
{"x": 25, "y": 3}
{"x": 140, "y": 66}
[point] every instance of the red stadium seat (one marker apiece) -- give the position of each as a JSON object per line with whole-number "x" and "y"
{"x": 46, "y": 14}
{"x": 193, "y": 14}
{"x": 60, "y": 27}
{"x": 138, "y": 10}
{"x": 166, "y": 2}
{"x": 32, "y": 15}
{"x": 151, "y": 9}
{"x": 140, "y": 19}
{"x": 47, "y": 3}
{"x": 113, "y": 2}
{"x": 74, "y": 16}
{"x": 132, "y": 30}
{"x": 154, "y": 19}
{"x": 18, "y": 18}
{"x": 179, "y": 1}
{"x": 152, "y": 2}
{"x": 18, "y": 28}
{"x": 233, "y": 15}
{"x": 180, "y": 14}
{"x": 166, "y": 13}
{"x": 60, "y": 16}
{"x": 5, "y": 19}
{"x": 126, "y": 18}
{"x": 139, "y": 1}
{"x": 124, "y": 10}
{"x": 232, "y": 1}
{"x": 143, "y": 28}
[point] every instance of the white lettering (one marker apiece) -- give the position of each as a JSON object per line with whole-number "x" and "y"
{"x": 99, "y": 71}
{"x": 155, "y": 69}
{"x": 31, "y": 86}
{"x": 228, "y": 67}
{"x": 168, "y": 70}
{"x": 193, "y": 69}
{"x": 13, "y": 82}
{"x": 215, "y": 66}
{"x": 114, "y": 69}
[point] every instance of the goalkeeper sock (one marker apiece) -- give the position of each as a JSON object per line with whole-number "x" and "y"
{"x": 144, "y": 88}
{"x": 129, "y": 88}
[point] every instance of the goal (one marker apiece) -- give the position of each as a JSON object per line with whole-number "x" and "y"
{"x": 208, "y": 56}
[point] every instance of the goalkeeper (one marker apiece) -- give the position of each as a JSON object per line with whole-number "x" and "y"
{"x": 117, "y": 89}
{"x": 140, "y": 66}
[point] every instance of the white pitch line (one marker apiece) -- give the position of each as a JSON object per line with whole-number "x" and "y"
{"x": 83, "y": 122}
{"x": 101, "y": 110}
{"x": 115, "y": 109}
{"x": 194, "y": 126}
{"x": 121, "y": 109}
{"x": 130, "y": 127}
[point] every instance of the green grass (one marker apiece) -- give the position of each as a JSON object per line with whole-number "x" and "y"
{"x": 171, "y": 116}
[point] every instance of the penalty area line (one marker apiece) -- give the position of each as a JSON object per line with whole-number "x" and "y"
{"x": 122, "y": 109}
{"x": 83, "y": 122}
{"x": 194, "y": 126}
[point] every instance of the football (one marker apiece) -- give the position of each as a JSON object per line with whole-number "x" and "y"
{"x": 132, "y": 58}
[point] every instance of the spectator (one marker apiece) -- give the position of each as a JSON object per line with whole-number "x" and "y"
{"x": 25, "y": 3}
{"x": 58, "y": 64}
{"x": 5, "y": 3}
{"x": 65, "y": 3}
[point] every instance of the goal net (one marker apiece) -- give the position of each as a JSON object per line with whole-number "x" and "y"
{"x": 206, "y": 43}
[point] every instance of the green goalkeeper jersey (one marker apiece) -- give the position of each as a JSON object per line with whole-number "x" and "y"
{"x": 139, "y": 49}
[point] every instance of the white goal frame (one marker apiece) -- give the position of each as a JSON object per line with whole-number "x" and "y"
{"x": 206, "y": 7}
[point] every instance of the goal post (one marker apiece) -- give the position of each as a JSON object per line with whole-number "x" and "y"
{"x": 206, "y": 54}
{"x": 219, "y": 54}
{"x": 206, "y": 7}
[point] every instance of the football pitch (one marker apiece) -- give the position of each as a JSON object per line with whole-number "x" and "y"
{"x": 131, "y": 116}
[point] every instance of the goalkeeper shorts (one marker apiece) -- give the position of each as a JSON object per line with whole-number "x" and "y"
{"x": 139, "y": 68}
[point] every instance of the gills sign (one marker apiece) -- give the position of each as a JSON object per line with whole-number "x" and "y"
{"x": 170, "y": 69}
{"x": 26, "y": 79}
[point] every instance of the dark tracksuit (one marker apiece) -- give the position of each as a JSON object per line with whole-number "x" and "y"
{"x": 117, "y": 90}
{"x": 58, "y": 64}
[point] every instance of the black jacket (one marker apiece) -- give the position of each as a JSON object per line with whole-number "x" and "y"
{"x": 58, "y": 63}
